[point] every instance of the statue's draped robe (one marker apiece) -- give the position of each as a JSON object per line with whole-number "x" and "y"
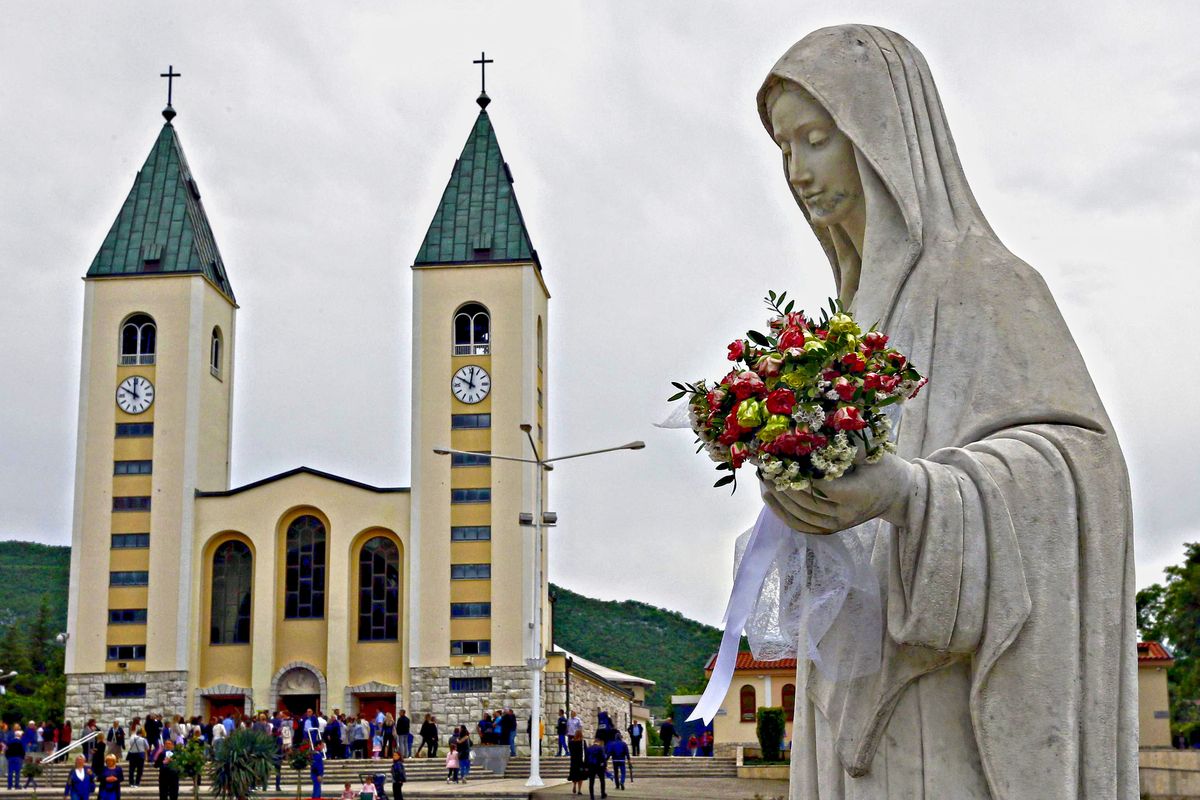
{"x": 1009, "y": 663}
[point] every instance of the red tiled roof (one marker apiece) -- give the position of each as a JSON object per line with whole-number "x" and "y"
{"x": 747, "y": 661}
{"x": 1152, "y": 653}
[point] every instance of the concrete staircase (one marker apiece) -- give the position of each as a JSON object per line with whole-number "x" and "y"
{"x": 337, "y": 772}
{"x": 643, "y": 767}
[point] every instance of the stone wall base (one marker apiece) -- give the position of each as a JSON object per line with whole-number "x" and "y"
{"x": 166, "y": 693}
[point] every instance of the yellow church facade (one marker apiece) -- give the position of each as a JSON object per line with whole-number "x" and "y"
{"x": 305, "y": 589}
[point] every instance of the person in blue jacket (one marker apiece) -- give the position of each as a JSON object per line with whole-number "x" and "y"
{"x": 110, "y": 779}
{"x": 79, "y": 781}
{"x": 618, "y": 754}
{"x": 317, "y": 768}
{"x": 14, "y": 751}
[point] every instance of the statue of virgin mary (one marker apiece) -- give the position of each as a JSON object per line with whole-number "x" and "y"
{"x": 1000, "y": 534}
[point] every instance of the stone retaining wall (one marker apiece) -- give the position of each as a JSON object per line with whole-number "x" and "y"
{"x": 166, "y": 693}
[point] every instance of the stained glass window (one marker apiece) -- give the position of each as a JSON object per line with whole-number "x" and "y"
{"x": 304, "y": 586}
{"x": 232, "y": 574}
{"x": 379, "y": 591}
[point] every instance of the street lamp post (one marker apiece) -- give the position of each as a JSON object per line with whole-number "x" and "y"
{"x": 537, "y": 520}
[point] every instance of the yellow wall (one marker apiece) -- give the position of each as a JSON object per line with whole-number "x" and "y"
{"x": 1153, "y": 697}
{"x": 189, "y": 450}
{"x": 352, "y": 515}
{"x": 514, "y": 296}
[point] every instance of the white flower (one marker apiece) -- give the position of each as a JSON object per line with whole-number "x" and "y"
{"x": 717, "y": 452}
{"x": 876, "y": 455}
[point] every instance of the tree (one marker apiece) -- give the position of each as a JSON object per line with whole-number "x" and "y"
{"x": 1170, "y": 613}
{"x": 242, "y": 762}
{"x": 190, "y": 762}
{"x": 770, "y": 730}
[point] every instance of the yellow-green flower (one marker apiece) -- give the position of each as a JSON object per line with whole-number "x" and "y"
{"x": 776, "y": 424}
{"x": 813, "y": 346}
{"x": 751, "y": 413}
{"x": 843, "y": 323}
{"x": 793, "y": 380}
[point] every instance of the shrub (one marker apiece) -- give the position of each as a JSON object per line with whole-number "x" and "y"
{"x": 241, "y": 762}
{"x": 770, "y": 730}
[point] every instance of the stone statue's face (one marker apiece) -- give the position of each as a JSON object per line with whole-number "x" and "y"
{"x": 820, "y": 158}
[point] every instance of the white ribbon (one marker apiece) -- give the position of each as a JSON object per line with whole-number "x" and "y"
{"x": 832, "y": 568}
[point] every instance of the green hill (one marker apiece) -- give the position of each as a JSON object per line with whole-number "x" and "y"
{"x": 29, "y": 572}
{"x": 664, "y": 646}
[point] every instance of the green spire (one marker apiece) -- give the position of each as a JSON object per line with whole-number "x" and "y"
{"x": 162, "y": 227}
{"x": 478, "y": 220}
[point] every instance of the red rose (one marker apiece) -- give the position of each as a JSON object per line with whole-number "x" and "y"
{"x": 781, "y": 401}
{"x": 738, "y": 453}
{"x": 736, "y": 349}
{"x": 831, "y": 375}
{"x": 855, "y": 362}
{"x": 746, "y": 384}
{"x": 728, "y": 379}
{"x": 845, "y": 388}
{"x": 898, "y": 361}
{"x": 716, "y": 397}
{"x": 872, "y": 382}
{"x": 797, "y": 444}
{"x": 889, "y": 382}
{"x": 796, "y": 320}
{"x": 732, "y": 431}
{"x": 874, "y": 342}
{"x": 917, "y": 390}
{"x": 821, "y": 333}
{"x": 792, "y": 337}
{"x": 848, "y": 419}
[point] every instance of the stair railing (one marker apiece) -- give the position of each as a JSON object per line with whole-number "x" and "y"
{"x": 64, "y": 750}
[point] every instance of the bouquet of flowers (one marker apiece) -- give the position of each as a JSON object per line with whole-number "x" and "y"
{"x": 802, "y": 398}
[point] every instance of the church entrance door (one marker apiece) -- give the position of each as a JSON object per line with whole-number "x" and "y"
{"x": 371, "y": 704}
{"x": 297, "y": 704}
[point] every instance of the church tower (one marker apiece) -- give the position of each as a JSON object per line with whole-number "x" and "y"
{"x": 156, "y": 385}
{"x": 479, "y": 372}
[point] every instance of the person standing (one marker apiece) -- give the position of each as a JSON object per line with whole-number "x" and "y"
{"x": 399, "y": 776}
{"x": 79, "y": 781}
{"x": 360, "y": 737}
{"x": 597, "y": 762}
{"x": 618, "y": 754}
{"x": 97, "y": 764}
{"x": 635, "y": 737}
{"x": 168, "y": 775}
{"x": 574, "y": 724}
{"x": 333, "y": 737}
{"x": 110, "y": 779}
{"x": 14, "y": 753}
{"x": 114, "y": 741}
{"x": 560, "y": 730}
{"x": 508, "y": 731}
{"x": 316, "y": 768}
{"x": 463, "y": 745}
{"x": 138, "y": 747}
{"x": 153, "y": 728}
{"x": 666, "y": 732}
{"x": 403, "y": 733}
{"x": 429, "y": 737}
{"x": 578, "y": 769}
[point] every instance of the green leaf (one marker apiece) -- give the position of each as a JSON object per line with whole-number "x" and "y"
{"x": 791, "y": 304}
{"x": 679, "y": 386}
{"x": 728, "y": 479}
{"x": 759, "y": 339}
{"x": 675, "y": 397}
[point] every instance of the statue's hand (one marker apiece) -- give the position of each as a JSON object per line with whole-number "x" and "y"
{"x": 870, "y": 491}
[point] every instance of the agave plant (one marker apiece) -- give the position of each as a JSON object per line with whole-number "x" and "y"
{"x": 241, "y": 763}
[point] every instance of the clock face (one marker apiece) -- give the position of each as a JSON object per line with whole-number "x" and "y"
{"x": 471, "y": 384}
{"x": 135, "y": 394}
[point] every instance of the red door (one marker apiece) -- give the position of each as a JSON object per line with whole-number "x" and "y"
{"x": 220, "y": 707}
{"x": 371, "y": 704}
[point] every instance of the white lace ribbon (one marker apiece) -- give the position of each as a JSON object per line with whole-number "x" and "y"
{"x": 790, "y": 587}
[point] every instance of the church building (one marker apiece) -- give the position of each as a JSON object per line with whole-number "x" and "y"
{"x": 305, "y": 589}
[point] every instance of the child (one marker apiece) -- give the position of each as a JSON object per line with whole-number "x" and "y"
{"x": 452, "y": 766}
{"x": 368, "y": 790}
{"x": 376, "y": 745}
{"x": 348, "y": 793}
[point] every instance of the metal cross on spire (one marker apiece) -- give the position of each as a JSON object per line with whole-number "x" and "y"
{"x": 483, "y": 61}
{"x": 170, "y": 75}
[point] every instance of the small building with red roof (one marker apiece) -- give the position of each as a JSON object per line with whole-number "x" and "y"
{"x": 756, "y": 684}
{"x": 1154, "y": 703}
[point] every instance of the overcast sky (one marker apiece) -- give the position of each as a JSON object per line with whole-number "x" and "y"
{"x": 322, "y": 137}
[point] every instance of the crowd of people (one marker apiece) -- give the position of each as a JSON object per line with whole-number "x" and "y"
{"x": 155, "y": 740}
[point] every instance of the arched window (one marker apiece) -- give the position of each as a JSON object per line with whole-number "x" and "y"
{"x": 138, "y": 336}
{"x": 789, "y": 701}
{"x": 749, "y": 703}
{"x": 304, "y": 584}
{"x": 214, "y": 352}
{"x": 232, "y": 571}
{"x": 379, "y": 591}
{"x": 472, "y": 331}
